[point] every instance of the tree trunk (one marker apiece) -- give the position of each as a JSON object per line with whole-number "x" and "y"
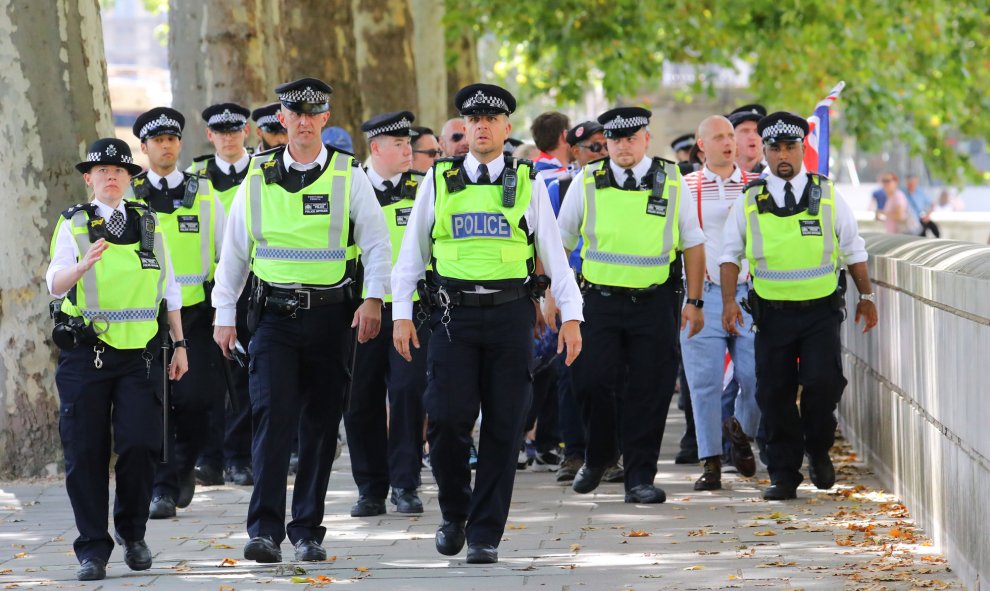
{"x": 383, "y": 30}
{"x": 221, "y": 50}
{"x": 54, "y": 101}
{"x": 462, "y": 65}
{"x": 431, "y": 71}
{"x": 319, "y": 42}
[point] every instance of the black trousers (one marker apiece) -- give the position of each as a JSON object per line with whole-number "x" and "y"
{"x": 122, "y": 397}
{"x": 386, "y": 447}
{"x": 784, "y": 336}
{"x": 191, "y": 399}
{"x": 638, "y": 336}
{"x": 298, "y": 376}
{"x": 486, "y": 364}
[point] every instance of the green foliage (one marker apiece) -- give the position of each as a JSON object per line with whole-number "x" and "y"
{"x": 915, "y": 70}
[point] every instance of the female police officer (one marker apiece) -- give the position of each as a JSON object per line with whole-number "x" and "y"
{"x": 111, "y": 270}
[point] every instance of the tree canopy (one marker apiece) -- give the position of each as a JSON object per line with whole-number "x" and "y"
{"x": 914, "y": 70}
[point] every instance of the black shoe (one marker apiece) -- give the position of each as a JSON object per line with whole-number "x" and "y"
{"x": 162, "y": 507}
{"x": 137, "y": 556}
{"x": 711, "y": 478}
{"x": 482, "y": 554}
{"x": 310, "y": 551}
{"x": 187, "y": 488}
{"x": 368, "y": 507}
{"x": 262, "y": 549}
{"x": 761, "y": 444}
{"x": 406, "y": 500}
{"x": 207, "y": 475}
{"x": 687, "y": 455}
{"x": 742, "y": 451}
{"x": 779, "y": 492}
{"x": 587, "y": 479}
{"x": 822, "y": 471}
{"x": 91, "y": 569}
{"x": 450, "y": 537}
{"x": 569, "y": 468}
{"x": 645, "y": 493}
{"x": 239, "y": 475}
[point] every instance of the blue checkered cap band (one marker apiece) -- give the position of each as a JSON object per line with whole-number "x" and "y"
{"x": 621, "y": 122}
{"x": 155, "y": 124}
{"x": 783, "y": 129}
{"x": 481, "y": 99}
{"x": 394, "y": 126}
{"x": 226, "y": 117}
{"x": 305, "y": 95}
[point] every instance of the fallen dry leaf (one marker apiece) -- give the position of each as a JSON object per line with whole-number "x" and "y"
{"x": 765, "y": 533}
{"x": 516, "y": 526}
{"x": 637, "y": 533}
{"x": 228, "y": 562}
{"x": 575, "y": 547}
{"x": 222, "y": 546}
{"x": 734, "y": 578}
{"x": 361, "y": 569}
{"x": 695, "y": 567}
{"x": 20, "y": 555}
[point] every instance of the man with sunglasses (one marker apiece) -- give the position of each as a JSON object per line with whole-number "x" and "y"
{"x": 453, "y": 139}
{"x": 425, "y": 148}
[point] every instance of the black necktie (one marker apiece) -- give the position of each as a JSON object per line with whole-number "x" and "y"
{"x": 233, "y": 170}
{"x": 630, "y": 184}
{"x": 483, "y": 178}
{"x": 789, "y": 202}
{"x": 162, "y": 185}
{"x": 388, "y": 187}
{"x": 115, "y": 225}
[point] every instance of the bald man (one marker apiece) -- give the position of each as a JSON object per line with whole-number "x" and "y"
{"x": 453, "y": 138}
{"x": 712, "y": 191}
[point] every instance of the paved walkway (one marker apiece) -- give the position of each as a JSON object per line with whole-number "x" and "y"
{"x": 852, "y": 537}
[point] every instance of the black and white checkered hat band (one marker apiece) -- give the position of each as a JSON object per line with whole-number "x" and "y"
{"x": 621, "y": 122}
{"x": 226, "y": 117}
{"x": 268, "y": 120}
{"x": 481, "y": 99}
{"x": 394, "y": 126}
{"x": 306, "y": 95}
{"x": 102, "y": 156}
{"x": 783, "y": 129}
{"x": 162, "y": 121}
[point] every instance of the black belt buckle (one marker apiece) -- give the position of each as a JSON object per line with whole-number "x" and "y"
{"x": 303, "y": 299}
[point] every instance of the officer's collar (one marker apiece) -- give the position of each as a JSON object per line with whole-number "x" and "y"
{"x": 377, "y": 180}
{"x": 640, "y": 170}
{"x": 106, "y": 211}
{"x": 239, "y": 166}
{"x": 290, "y": 162}
{"x": 174, "y": 178}
{"x": 494, "y": 167}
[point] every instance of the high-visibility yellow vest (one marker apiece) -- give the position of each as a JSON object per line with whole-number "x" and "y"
{"x": 226, "y": 196}
{"x": 122, "y": 292}
{"x": 477, "y": 238}
{"x": 397, "y": 212}
{"x": 304, "y": 236}
{"x": 793, "y": 257}
{"x": 630, "y": 239}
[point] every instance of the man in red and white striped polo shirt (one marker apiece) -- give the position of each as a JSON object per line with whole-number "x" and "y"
{"x": 713, "y": 191}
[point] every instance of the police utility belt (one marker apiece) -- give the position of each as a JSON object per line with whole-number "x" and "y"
{"x": 288, "y": 301}
{"x": 444, "y": 293}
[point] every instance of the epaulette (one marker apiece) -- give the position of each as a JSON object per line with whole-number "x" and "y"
{"x": 202, "y": 158}
{"x": 199, "y": 175}
{"x": 663, "y": 160}
{"x": 89, "y": 208}
{"x": 141, "y": 205}
{"x": 757, "y": 182}
{"x": 268, "y": 151}
{"x": 515, "y": 162}
{"x": 818, "y": 174}
{"x": 140, "y": 175}
{"x": 599, "y": 159}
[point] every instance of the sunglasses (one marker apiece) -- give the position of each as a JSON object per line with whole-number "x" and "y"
{"x": 595, "y": 147}
{"x": 430, "y": 153}
{"x": 456, "y": 137}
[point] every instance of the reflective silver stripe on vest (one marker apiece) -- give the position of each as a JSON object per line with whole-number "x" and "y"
{"x": 795, "y": 274}
{"x": 754, "y": 223}
{"x": 90, "y": 289}
{"x": 336, "y": 226}
{"x": 631, "y": 260}
{"x": 163, "y": 262}
{"x": 205, "y": 247}
{"x": 828, "y": 229}
{"x": 129, "y": 315}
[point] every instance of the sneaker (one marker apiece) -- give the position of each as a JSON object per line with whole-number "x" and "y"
{"x": 546, "y": 461}
{"x": 569, "y": 468}
{"x": 523, "y": 459}
{"x": 615, "y": 472}
{"x": 473, "y": 458}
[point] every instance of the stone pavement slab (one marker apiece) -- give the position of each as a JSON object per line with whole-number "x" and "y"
{"x": 854, "y": 536}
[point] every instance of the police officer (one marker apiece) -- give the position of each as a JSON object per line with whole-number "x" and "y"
{"x": 226, "y": 455}
{"x": 192, "y": 221}
{"x": 627, "y": 208}
{"x": 110, "y": 268}
{"x": 387, "y": 448}
{"x": 749, "y": 150}
{"x": 482, "y": 219}
{"x": 681, "y": 146}
{"x": 795, "y": 231}
{"x": 296, "y": 223}
{"x": 267, "y": 126}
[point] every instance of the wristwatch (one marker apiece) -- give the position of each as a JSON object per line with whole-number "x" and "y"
{"x": 868, "y": 297}
{"x": 699, "y": 304}
{"x": 183, "y": 343}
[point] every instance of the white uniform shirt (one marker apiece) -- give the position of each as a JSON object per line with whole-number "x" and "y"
{"x": 852, "y": 248}
{"x": 572, "y": 209}
{"x": 239, "y": 166}
{"x": 716, "y": 197}
{"x": 174, "y": 179}
{"x": 66, "y": 254}
{"x": 418, "y": 243}
{"x": 378, "y": 181}
{"x": 370, "y": 234}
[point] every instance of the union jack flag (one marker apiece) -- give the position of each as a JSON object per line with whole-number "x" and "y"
{"x": 816, "y": 142}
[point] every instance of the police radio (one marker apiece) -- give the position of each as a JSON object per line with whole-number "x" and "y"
{"x": 148, "y": 232}
{"x": 814, "y": 199}
{"x": 659, "y": 180}
{"x": 192, "y": 187}
{"x": 509, "y": 187}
